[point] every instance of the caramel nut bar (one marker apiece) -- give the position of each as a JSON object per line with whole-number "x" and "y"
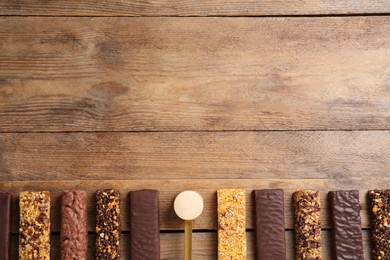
{"x": 231, "y": 224}
{"x": 307, "y": 225}
{"x": 380, "y": 215}
{"x": 34, "y": 227}
{"x": 107, "y": 224}
{"x": 74, "y": 233}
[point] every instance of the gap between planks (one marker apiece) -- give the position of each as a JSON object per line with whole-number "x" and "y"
{"x": 204, "y": 16}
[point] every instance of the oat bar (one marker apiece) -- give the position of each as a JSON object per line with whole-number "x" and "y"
{"x": 107, "y": 225}
{"x": 5, "y": 225}
{"x": 307, "y": 225}
{"x": 34, "y": 227}
{"x": 380, "y": 214}
{"x": 346, "y": 225}
{"x": 269, "y": 224}
{"x": 231, "y": 224}
{"x": 74, "y": 233}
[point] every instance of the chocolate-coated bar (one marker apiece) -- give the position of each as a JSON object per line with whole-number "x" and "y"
{"x": 5, "y": 225}
{"x": 346, "y": 225}
{"x": 307, "y": 225}
{"x": 34, "y": 227}
{"x": 380, "y": 214}
{"x": 144, "y": 225}
{"x": 231, "y": 224}
{"x": 74, "y": 233}
{"x": 107, "y": 224}
{"x": 269, "y": 224}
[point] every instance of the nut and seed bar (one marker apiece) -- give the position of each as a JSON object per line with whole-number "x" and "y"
{"x": 5, "y": 225}
{"x": 107, "y": 224}
{"x": 380, "y": 215}
{"x": 74, "y": 233}
{"x": 307, "y": 225}
{"x": 269, "y": 224}
{"x": 144, "y": 225}
{"x": 231, "y": 224}
{"x": 34, "y": 227}
{"x": 346, "y": 225}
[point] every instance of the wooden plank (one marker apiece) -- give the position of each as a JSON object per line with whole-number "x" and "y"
{"x": 204, "y": 245}
{"x": 191, "y": 8}
{"x": 164, "y": 74}
{"x": 196, "y": 155}
{"x": 208, "y": 220}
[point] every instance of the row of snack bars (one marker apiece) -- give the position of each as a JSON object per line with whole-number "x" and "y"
{"x": 34, "y": 225}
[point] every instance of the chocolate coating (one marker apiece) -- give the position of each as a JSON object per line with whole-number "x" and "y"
{"x": 144, "y": 225}
{"x": 346, "y": 225}
{"x": 5, "y": 225}
{"x": 74, "y": 233}
{"x": 269, "y": 224}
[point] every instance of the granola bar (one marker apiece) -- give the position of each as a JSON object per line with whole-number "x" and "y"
{"x": 231, "y": 224}
{"x": 107, "y": 225}
{"x": 34, "y": 227}
{"x": 380, "y": 213}
{"x": 307, "y": 225}
{"x": 74, "y": 233}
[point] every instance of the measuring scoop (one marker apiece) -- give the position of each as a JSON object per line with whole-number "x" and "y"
{"x": 188, "y": 206}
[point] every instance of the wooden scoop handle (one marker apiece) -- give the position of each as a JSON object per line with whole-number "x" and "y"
{"x": 188, "y": 240}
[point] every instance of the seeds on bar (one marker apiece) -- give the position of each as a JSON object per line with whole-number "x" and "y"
{"x": 34, "y": 227}
{"x": 107, "y": 224}
{"x": 380, "y": 215}
{"x": 231, "y": 224}
{"x": 307, "y": 225}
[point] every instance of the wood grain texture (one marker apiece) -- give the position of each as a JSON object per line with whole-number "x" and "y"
{"x": 170, "y": 74}
{"x": 204, "y": 245}
{"x": 181, "y": 101}
{"x": 191, "y": 8}
{"x": 194, "y": 155}
{"x": 169, "y": 189}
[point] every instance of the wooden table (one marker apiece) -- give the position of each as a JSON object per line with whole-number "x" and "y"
{"x": 176, "y": 95}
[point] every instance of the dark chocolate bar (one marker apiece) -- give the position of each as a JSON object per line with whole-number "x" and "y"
{"x": 5, "y": 225}
{"x": 107, "y": 225}
{"x": 307, "y": 225}
{"x": 346, "y": 225}
{"x": 380, "y": 212}
{"x": 144, "y": 225}
{"x": 269, "y": 224}
{"x": 74, "y": 233}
